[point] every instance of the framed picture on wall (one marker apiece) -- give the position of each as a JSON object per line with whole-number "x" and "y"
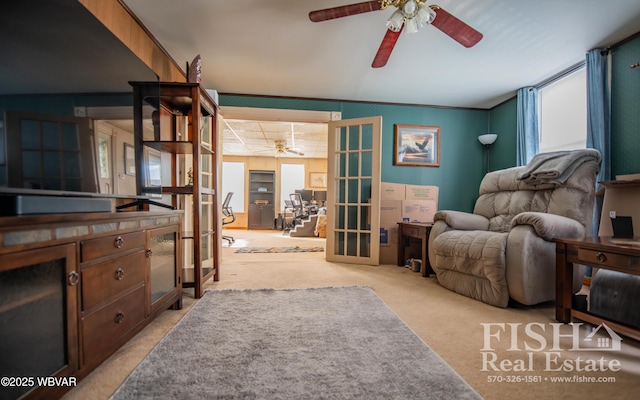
{"x": 317, "y": 179}
{"x": 416, "y": 145}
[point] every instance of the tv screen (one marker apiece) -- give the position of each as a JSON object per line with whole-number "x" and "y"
{"x": 306, "y": 194}
{"x": 320, "y": 195}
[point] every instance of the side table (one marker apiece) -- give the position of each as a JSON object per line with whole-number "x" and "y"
{"x": 420, "y": 231}
{"x": 598, "y": 252}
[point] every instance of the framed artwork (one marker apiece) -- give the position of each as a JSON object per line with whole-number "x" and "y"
{"x": 129, "y": 159}
{"x": 416, "y": 145}
{"x": 317, "y": 179}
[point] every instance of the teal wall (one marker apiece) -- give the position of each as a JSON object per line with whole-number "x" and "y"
{"x": 461, "y": 155}
{"x": 625, "y": 109}
{"x": 503, "y": 121}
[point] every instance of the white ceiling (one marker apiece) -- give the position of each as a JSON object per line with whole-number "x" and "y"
{"x": 259, "y": 138}
{"x": 271, "y": 48}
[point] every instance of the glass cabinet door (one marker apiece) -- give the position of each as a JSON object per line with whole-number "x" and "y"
{"x": 163, "y": 272}
{"x": 38, "y": 317}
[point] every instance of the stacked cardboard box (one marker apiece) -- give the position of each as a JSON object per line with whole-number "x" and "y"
{"x": 400, "y": 202}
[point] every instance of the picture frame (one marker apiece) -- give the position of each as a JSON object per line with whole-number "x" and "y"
{"x": 129, "y": 159}
{"x": 416, "y": 145}
{"x": 318, "y": 179}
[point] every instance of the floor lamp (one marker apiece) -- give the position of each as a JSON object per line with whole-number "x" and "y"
{"x": 487, "y": 140}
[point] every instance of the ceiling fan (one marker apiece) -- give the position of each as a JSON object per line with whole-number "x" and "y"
{"x": 409, "y": 14}
{"x": 281, "y": 148}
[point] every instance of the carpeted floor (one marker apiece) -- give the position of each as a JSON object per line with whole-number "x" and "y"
{"x": 322, "y": 343}
{"x": 287, "y": 249}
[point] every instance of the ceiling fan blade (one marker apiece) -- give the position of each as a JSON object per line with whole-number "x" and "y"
{"x": 455, "y": 28}
{"x": 386, "y": 47}
{"x": 344, "y": 11}
{"x": 298, "y": 153}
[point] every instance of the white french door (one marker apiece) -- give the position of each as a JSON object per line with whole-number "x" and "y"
{"x": 353, "y": 193}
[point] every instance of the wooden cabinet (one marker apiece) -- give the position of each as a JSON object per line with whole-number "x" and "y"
{"x": 38, "y": 317}
{"x": 74, "y": 288}
{"x": 262, "y": 186}
{"x": 175, "y": 137}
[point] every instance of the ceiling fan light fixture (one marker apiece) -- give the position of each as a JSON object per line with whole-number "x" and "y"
{"x": 425, "y": 15}
{"x": 396, "y": 20}
{"x": 409, "y": 8}
{"x": 412, "y": 25}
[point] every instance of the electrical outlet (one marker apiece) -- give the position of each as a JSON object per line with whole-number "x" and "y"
{"x": 612, "y": 214}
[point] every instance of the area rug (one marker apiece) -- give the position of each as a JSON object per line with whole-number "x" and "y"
{"x": 291, "y": 249}
{"x": 325, "y": 343}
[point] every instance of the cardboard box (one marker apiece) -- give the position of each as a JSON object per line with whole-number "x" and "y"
{"x": 419, "y": 192}
{"x": 622, "y": 199}
{"x": 418, "y": 210}
{"x": 397, "y": 200}
{"x": 392, "y": 191}
{"x": 390, "y": 215}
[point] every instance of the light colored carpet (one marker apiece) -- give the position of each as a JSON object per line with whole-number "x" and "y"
{"x": 323, "y": 343}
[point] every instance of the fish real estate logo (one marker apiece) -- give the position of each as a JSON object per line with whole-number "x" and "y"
{"x": 599, "y": 343}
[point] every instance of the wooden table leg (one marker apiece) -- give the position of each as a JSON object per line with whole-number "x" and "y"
{"x": 400, "y": 247}
{"x": 564, "y": 284}
{"x": 424, "y": 268}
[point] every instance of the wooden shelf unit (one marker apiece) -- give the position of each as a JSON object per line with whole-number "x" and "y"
{"x": 175, "y": 137}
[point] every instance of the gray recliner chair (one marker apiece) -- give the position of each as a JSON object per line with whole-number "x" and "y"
{"x": 505, "y": 248}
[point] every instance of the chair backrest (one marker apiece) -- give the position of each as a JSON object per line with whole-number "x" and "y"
{"x": 297, "y": 204}
{"x": 227, "y": 211}
{"x": 503, "y": 196}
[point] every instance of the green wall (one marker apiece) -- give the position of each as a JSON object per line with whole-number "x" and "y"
{"x": 461, "y": 155}
{"x": 625, "y": 109}
{"x": 503, "y": 121}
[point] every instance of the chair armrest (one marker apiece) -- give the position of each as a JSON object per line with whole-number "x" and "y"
{"x": 550, "y": 226}
{"x": 462, "y": 220}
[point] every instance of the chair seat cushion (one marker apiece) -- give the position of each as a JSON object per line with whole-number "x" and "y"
{"x": 472, "y": 263}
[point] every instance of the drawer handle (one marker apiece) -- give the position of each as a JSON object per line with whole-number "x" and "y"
{"x": 119, "y": 242}
{"x": 119, "y": 274}
{"x": 119, "y": 317}
{"x": 601, "y": 257}
{"x": 149, "y": 253}
{"x": 74, "y": 278}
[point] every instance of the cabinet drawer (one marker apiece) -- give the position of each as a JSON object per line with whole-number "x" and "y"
{"x": 105, "y": 280}
{"x": 104, "y": 328}
{"x": 96, "y": 248}
{"x": 606, "y": 258}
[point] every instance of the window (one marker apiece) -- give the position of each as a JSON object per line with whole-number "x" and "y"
{"x": 233, "y": 181}
{"x": 563, "y": 113}
{"x": 292, "y": 178}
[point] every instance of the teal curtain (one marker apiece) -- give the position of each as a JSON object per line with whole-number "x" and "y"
{"x": 599, "y": 120}
{"x": 598, "y": 125}
{"x": 527, "y": 140}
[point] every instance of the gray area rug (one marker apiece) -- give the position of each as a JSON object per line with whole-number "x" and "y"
{"x": 325, "y": 343}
